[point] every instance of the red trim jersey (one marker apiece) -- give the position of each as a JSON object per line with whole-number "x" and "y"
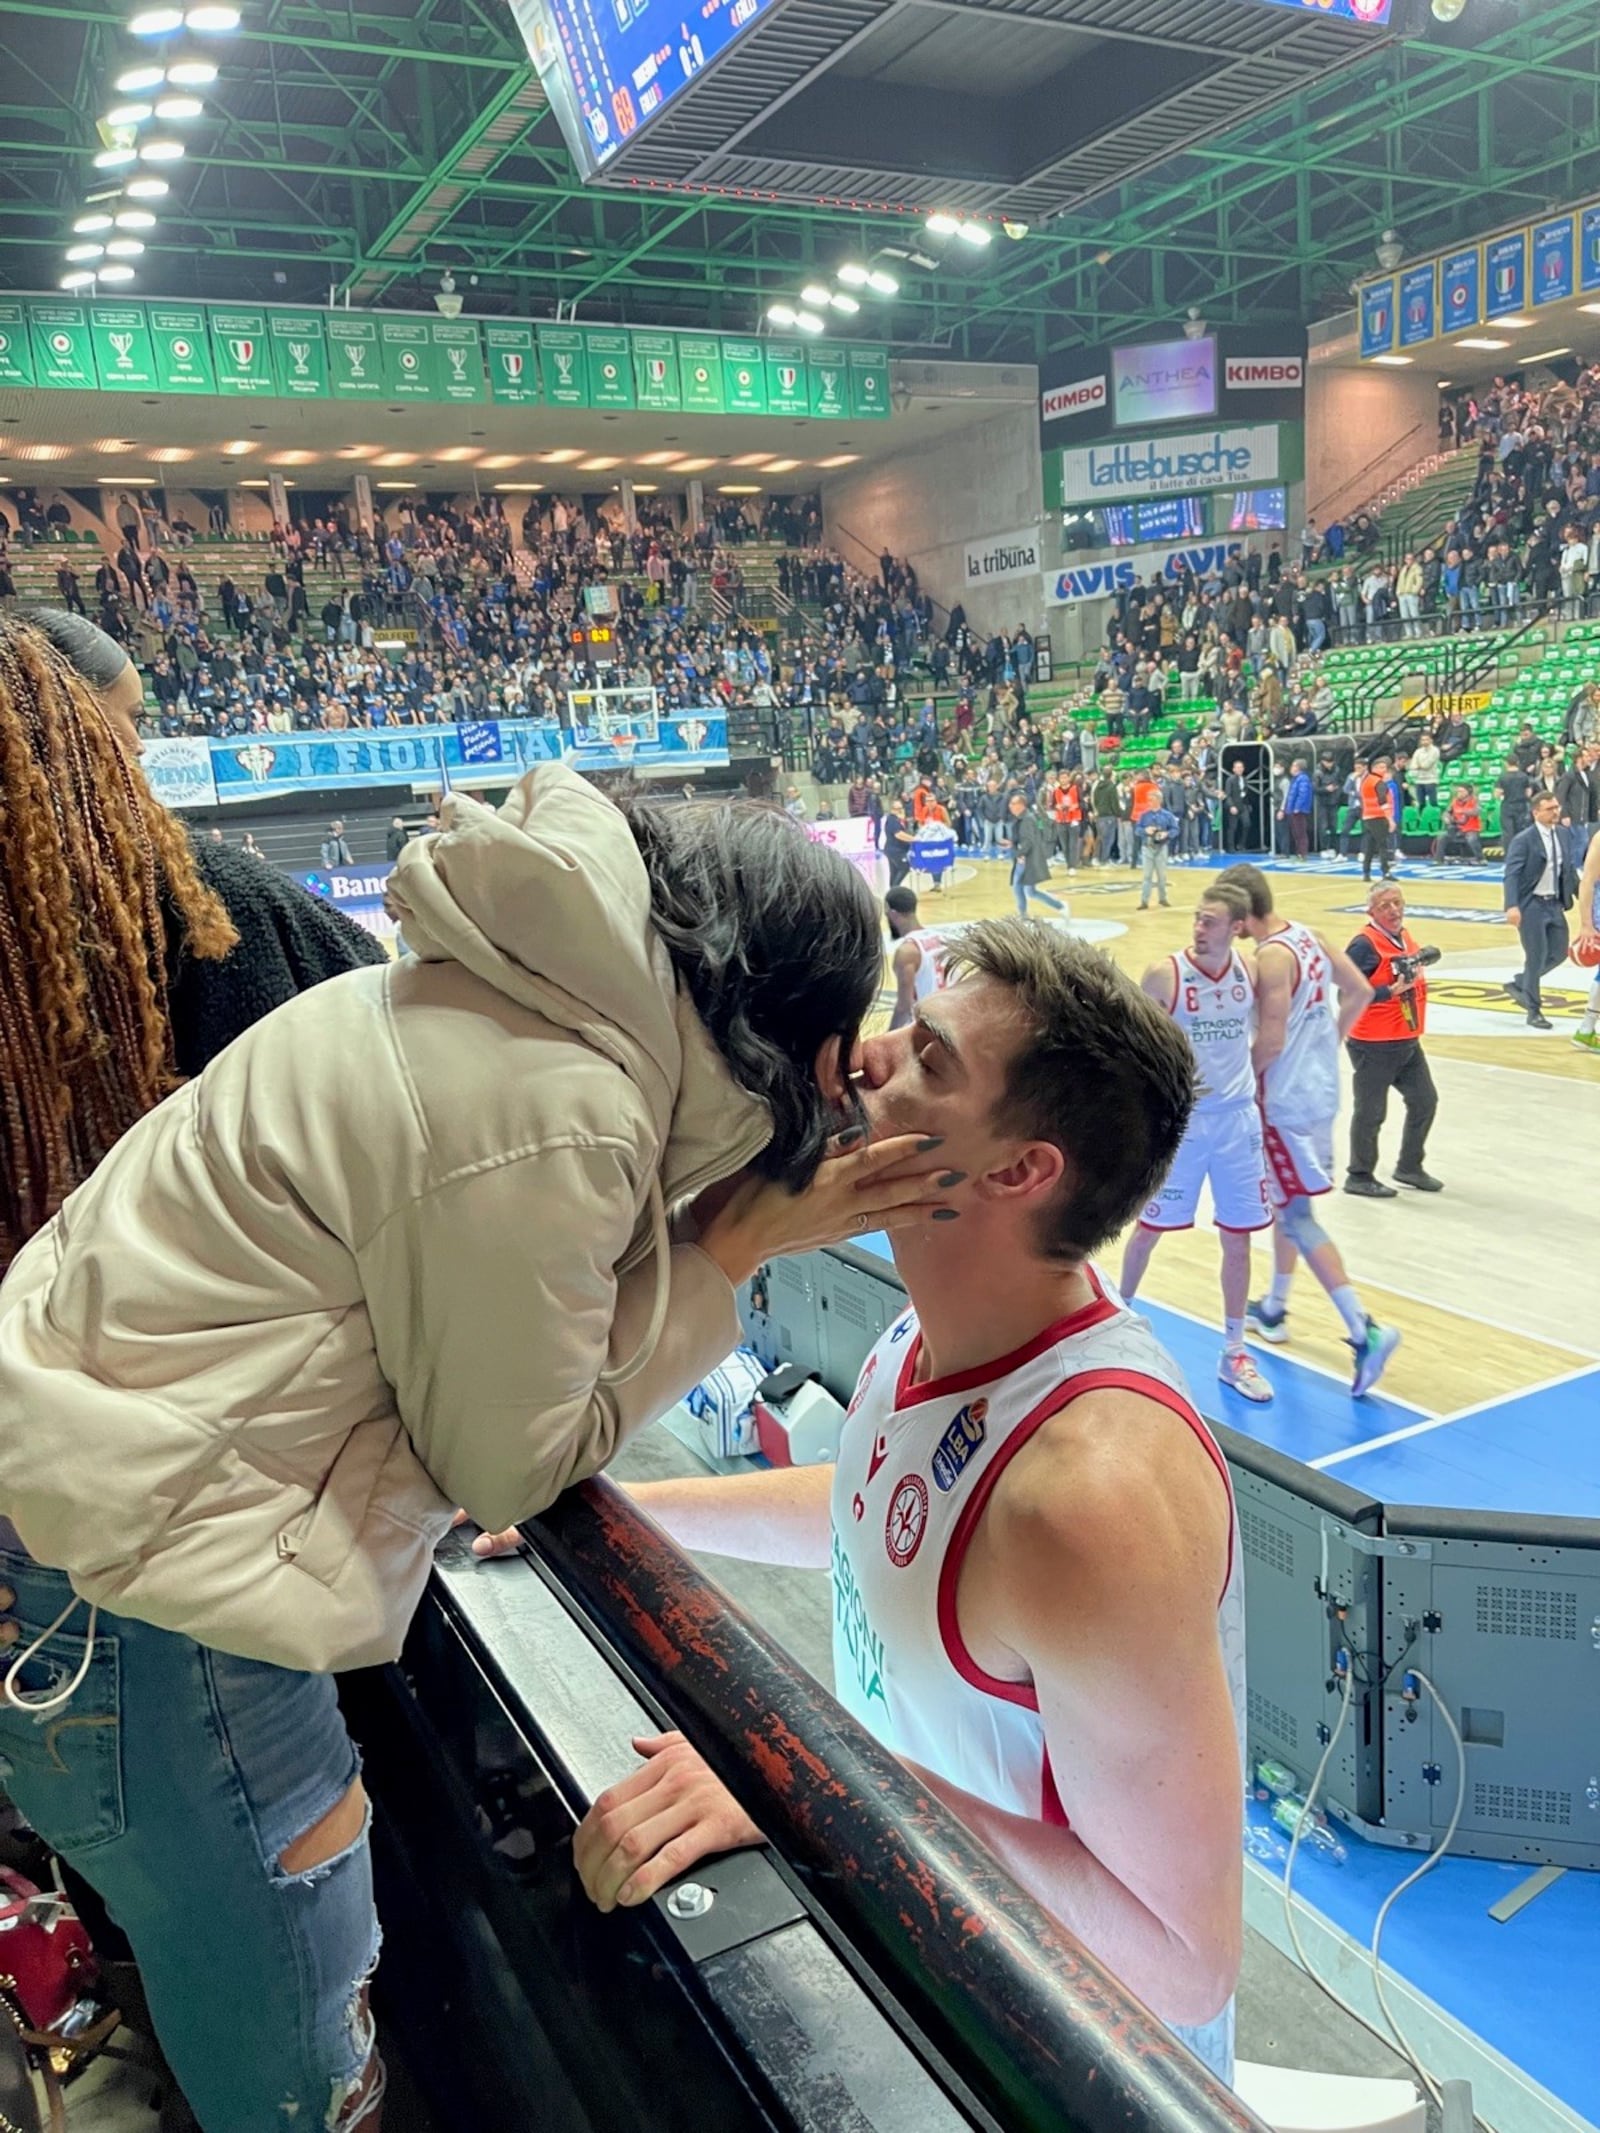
{"x": 930, "y": 974}
{"x": 1217, "y": 1013}
{"x": 1301, "y": 1089}
{"x": 917, "y": 1465}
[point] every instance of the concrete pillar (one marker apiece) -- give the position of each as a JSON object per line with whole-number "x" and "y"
{"x": 278, "y": 497}
{"x": 361, "y": 498}
{"x": 696, "y": 508}
{"x": 630, "y": 508}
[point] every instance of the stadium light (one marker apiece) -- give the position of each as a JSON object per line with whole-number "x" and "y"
{"x": 162, "y": 150}
{"x": 808, "y": 321}
{"x": 975, "y": 233}
{"x": 122, "y": 115}
{"x": 156, "y": 21}
{"x": 135, "y": 218}
{"x": 843, "y": 302}
{"x": 78, "y": 253}
{"x": 882, "y": 284}
{"x": 147, "y": 188}
{"x": 88, "y": 225}
{"x": 137, "y": 80}
{"x": 125, "y": 248}
{"x": 115, "y": 158}
{"x": 781, "y": 314}
{"x": 191, "y": 73}
{"x": 853, "y": 274}
{"x": 942, "y": 225}
{"x": 212, "y": 21}
{"x": 815, "y": 294}
{"x": 116, "y": 274}
{"x": 178, "y": 107}
{"x": 77, "y": 280}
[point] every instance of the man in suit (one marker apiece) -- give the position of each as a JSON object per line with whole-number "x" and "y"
{"x": 1578, "y": 792}
{"x": 1541, "y": 884}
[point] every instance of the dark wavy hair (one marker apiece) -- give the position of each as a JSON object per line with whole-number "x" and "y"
{"x": 776, "y": 940}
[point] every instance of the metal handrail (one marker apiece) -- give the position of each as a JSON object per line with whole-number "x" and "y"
{"x": 1319, "y": 510}
{"x": 1041, "y": 2034}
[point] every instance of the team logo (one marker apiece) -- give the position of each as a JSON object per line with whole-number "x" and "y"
{"x": 243, "y": 353}
{"x": 1238, "y": 992}
{"x": 907, "y": 1520}
{"x": 954, "y": 1452}
{"x": 902, "y": 1329}
{"x": 693, "y": 732}
{"x": 880, "y": 1452}
{"x": 123, "y": 344}
{"x": 512, "y": 360}
{"x": 257, "y": 762}
{"x": 858, "y": 1507}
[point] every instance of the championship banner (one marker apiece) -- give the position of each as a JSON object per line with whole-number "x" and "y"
{"x": 561, "y": 366}
{"x": 1461, "y": 290}
{"x": 1505, "y": 275}
{"x": 700, "y": 374}
{"x": 407, "y": 358}
{"x": 120, "y": 334}
{"x": 608, "y": 356}
{"x": 1589, "y": 250}
{"x": 827, "y": 379}
{"x": 655, "y": 371}
{"x": 788, "y": 389}
{"x": 182, "y": 349}
{"x": 63, "y": 354}
{"x": 299, "y": 355}
{"x": 1554, "y": 263}
{"x": 869, "y": 384}
{"x": 457, "y": 359}
{"x": 744, "y": 377}
{"x": 1377, "y": 317}
{"x": 239, "y": 352}
{"x": 16, "y": 356}
{"x": 354, "y": 357}
{"x": 513, "y": 365}
{"x": 1418, "y": 312}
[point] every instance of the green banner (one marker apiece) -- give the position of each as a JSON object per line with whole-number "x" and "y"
{"x": 609, "y": 357}
{"x": 787, "y": 390}
{"x": 655, "y": 371}
{"x": 182, "y": 349}
{"x": 353, "y": 357}
{"x": 16, "y": 357}
{"x": 744, "y": 382}
{"x": 827, "y": 374}
{"x": 63, "y": 354}
{"x": 457, "y": 359}
{"x": 869, "y": 384}
{"x": 122, "y": 351}
{"x": 240, "y": 352}
{"x": 407, "y": 358}
{"x": 561, "y": 363}
{"x": 513, "y": 365}
{"x": 700, "y": 374}
{"x": 300, "y": 355}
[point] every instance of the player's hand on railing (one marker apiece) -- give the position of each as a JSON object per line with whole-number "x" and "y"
{"x": 656, "y": 1824}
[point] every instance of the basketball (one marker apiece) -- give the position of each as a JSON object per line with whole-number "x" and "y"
{"x": 1586, "y": 953}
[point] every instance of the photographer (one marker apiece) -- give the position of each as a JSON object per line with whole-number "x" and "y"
{"x": 1385, "y": 1048}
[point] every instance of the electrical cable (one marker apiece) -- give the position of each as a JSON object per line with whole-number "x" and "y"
{"x": 1300, "y": 1827}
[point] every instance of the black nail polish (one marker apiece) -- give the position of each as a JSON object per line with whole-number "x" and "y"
{"x": 947, "y": 1214}
{"x": 952, "y": 1177}
{"x": 927, "y": 1147}
{"x": 850, "y": 1136}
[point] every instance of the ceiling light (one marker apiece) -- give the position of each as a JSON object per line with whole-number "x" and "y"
{"x": 781, "y": 466}
{"x": 975, "y": 233}
{"x": 556, "y": 459}
{"x": 394, "y": 485}
{"x": 295, "y": 458}
{"x": 40, "y": 454}
{"x": 162, "y": 150}
{"x": 842, "y": 301}
{"x": 644, "y": 488}
{"x": 240, "y": 447}
{"x": 693, "y": 466}
{"x": 77, "y": 280}
{"x": 125, "y": 481}
{"x": 87, "y": 225}
{"x": 1395, "y": 362}
{"x": 147, "y": 188}
{"x": 657, "y": 459}
{"x": 115, "y": 158}
{"x": 137, "y": 79}
{"x": 191, "y": 73}
{"x": 750, "y": 459}
{"x": 1549, "y": 355}
{"x": 1592, "y": 309}
{"x": 136, "y": 218}
{"x": 112, "y": 447}
{"x": 882, "y": 284}
{"x": 458, "y": 453}
{"x": 739, "y": 488}
{"x": 125, "y": 248}
{"x": 171, "y": 455}
{"x": 116, "y": 274}
{"x": 156, "y": 21}
{"x": 808, "y": 321}
{"x": 815, "y": 294}
{"x": 497, "y": 462}
{"x": 1480, "y": 343}
{"x": 840, "y": 459}
{"x": 121, "y": 115}
{"x": 853, "y": 274}
{"x": 178, "y": 107}
{"x": 77, "y": 253}
{"x": 212, "y": 21}
{"x": 942, "y": 225}
{"x": 781, "y": 314}
{"x": 517, "y": 488}
{"x": 395, "y": 459}
{"x": 1513, "y": 321}
{"x": 600, "y": 465}
{"x": 357, "y": 451}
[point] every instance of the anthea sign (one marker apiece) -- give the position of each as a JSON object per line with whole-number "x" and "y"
{"x": 1099, "y": 581}
{"x": 1004, "y": 555}
{"x": 1075, "y": 399}
{"x": 1164, "y": 466}
{"x": 1281, "y": 374}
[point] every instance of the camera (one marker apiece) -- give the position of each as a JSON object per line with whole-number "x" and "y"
{"x": 1408, "y": 968}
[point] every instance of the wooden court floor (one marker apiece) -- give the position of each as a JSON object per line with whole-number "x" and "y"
{"x": 1495, "y": 1282}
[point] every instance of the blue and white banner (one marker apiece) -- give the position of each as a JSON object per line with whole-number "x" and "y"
{"x": 1589, "y": 250}
{"x": 1553, "y": 263}
{"x": 1377, "y": 317}
{"x": 1505, "y": 275}
{"x": 1461, "y": 290}
{"x": 1169, "y": 466}
{"x": 1418, "y": 320}
{"x": 358, "y": 894}
{"x": 1098, "y": 581}
{"x": 201, "y": 773}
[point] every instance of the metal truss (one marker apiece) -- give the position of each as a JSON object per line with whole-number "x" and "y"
{"x": 363, "y": 148}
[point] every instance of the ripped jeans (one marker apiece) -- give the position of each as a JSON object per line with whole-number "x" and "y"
{"x": 172, "y": 1781}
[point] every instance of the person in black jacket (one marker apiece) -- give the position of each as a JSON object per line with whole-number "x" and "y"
{"x": 1540, "y": 886}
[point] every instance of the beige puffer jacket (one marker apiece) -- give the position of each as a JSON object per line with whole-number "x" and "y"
{"x": 403, "y": 1246}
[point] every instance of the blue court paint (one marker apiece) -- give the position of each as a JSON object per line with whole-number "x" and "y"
{"x": 1440, "y": 1939}
{"x": 1536, "y": 1452}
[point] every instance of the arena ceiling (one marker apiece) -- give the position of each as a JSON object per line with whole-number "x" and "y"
{"x": 365, "y": 148}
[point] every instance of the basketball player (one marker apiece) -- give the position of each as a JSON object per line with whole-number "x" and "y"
{"x": 917, "y": 958}
{"x": 1299, "y": 1030}
{"x": 1587, "y": 946}
{"x": 1036, "y": 1571}
{"x": 1209, "y": 991}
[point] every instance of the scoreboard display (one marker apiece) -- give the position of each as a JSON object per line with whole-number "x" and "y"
{"x": 1367, "y": 11}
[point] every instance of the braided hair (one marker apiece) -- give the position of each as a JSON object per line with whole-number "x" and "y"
{"x": 86, "y": 858}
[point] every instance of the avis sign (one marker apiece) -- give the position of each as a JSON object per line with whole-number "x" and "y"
{"x": 1100, "y": 581}
{"x": 1059, "y": 401}
{"x": 1004, "y": 555}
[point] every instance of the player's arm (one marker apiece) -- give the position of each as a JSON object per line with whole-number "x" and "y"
{"x": 1352, "y": 985}
{"x": 1588, "y": 890}
{"x": 777, "y": 1515}
{"x": 906, "y": 962}
{"x": 1126, "y": 1662}
{"x": 1160, "y": 981}
{"x": 1275, "y": 969}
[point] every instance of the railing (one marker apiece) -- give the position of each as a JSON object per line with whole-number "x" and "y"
{"x": 1041, "y": 2035}
{"x": 1325, "y": 511}
{"x": 1465, "y": 668}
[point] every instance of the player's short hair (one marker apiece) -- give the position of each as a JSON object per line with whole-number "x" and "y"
{"x": 1254, "y": 884}
{"x": 1099, "y": 1071}
{"x": 1233, "y": 899}
{"x": 901, "y": 900}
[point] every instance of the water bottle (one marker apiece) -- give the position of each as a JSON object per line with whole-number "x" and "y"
{"x": 1291, "y": 1813}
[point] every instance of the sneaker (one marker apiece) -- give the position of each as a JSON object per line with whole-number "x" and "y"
{"x": 1269, "y": 1321}
{"x": 1369, "y": 1188}
{"x": 1418, "y": 1180}
{"x": 1587, "y": 1040}
{"x": 1372, "y": 1356}
{"x": 1240, "y": 1374}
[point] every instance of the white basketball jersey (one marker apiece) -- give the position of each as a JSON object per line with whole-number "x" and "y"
{"x": 1218, "y": 1016}
{"x": 1302, "y": 1083}
{"x": 916, "y": 1467}
{"x": 930, "y": 976}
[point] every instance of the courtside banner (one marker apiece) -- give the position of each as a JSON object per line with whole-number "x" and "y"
{"x": 1263, "y": 374}
{"x": 1099, "y": 581}
{"x": 1078, "y": 398}
{"x": 1004, "y": 555}
{"x": 1167, "y": 466}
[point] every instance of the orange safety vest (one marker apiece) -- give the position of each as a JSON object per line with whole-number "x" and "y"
{"x": 1392, "y": 1021}
{"x": 1375, "y": 799}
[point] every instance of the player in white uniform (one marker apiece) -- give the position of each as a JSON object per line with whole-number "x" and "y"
{"x": 1585, "y": 1036}
{"x": 918, "y": 957}
{"x": 1308, "y": 996}
{"x": 1209, "y": 991}
{"x": 1032, "y": 1537}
